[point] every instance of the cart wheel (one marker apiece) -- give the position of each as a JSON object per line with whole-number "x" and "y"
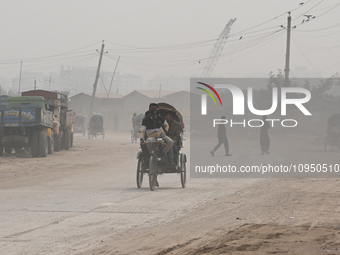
{"x": 152, "y": 172}
{"x": 183, "y": 174}
{"x": 139, "y": 173}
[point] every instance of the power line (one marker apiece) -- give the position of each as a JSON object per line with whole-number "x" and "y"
{"x": 299, "y": 48}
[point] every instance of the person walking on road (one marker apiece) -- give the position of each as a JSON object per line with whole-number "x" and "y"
{"x": 222, "y": 139}
{"x": 264, "y": 137}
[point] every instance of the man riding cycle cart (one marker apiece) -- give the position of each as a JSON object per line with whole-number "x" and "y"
{"x": 96, "y": 126}
{"x": 159, "y": 144}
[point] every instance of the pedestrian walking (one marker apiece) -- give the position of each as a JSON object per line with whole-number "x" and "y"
{"x": 222, "y": 139}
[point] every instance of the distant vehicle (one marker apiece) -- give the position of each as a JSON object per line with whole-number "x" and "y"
{"x": 332, "y": 136}
{"x": 96, "y": 126}
{"x": 26, "y": 123}
{"x": 79, "y": 124}
{"x": 3, "y": 102}
{"x": 63, "y": 118}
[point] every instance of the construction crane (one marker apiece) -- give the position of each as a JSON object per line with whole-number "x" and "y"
{"x": 216, "y": 52}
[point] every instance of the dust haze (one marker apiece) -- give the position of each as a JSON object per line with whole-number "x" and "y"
{"x": 113, "y": 59}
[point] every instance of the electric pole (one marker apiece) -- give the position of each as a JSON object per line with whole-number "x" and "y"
{"x": 287, "y": 82}
{"x": 49, "y": 83}
{"x": 96, "y": 81}
{"x": 108, "y": 95}
{"x": 35, "y": 84}
{"x": 20, "y": 77}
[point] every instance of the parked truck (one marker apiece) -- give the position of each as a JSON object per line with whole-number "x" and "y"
{"x": 63, "y": 118}
{"x": 39, "y": 120}
{"x": 25, "y": 123}
{"x": 3, "y": 102}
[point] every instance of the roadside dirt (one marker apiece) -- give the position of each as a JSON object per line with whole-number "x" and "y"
{"x": 85, "y": 201}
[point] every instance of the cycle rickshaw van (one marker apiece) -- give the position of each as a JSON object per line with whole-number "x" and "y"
{"x": 79, "y": 124}
{"x": 136, "y": 125}
{"x": 96, "y": 126}
{"x": 155, "y": 166}
{"x": 332, "y": 136}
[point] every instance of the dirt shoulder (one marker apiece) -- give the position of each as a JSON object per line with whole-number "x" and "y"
{"x": 263, "y": 216}
{"x": 85, "y": 201}
{"x": 293, "y": 216}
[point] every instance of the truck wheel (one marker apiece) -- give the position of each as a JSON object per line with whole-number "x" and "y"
{"x": 43, "y": 144}
{"x": 50, "y": 140}
{"x": 67, "y": 139}
{"x": 35, "y": 144}
{"x": 56, "y": 142}
{"x": 1, "y": 150}
{"x": 8, "y": 150}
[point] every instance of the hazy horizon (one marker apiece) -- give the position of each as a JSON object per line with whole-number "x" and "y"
{"x": 163, "y": 39}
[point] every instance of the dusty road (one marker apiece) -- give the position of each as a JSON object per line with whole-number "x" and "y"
{"x": 85, "y": 201}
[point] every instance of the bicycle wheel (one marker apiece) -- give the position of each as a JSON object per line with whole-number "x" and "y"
{"x": 152, "y": 172}
{"x": 183, "y": 174}
{"x": 139, "y": 173}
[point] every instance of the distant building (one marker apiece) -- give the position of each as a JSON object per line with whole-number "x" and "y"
{"x": 82, "y": 78}
{"x": 126, "y": 83}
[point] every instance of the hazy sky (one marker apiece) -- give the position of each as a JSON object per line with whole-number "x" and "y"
{"x": 168, "y": 37}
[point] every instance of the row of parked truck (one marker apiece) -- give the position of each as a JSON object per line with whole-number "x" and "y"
{"x": 38, "y": 121}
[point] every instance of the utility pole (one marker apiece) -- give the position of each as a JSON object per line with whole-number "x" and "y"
{"x": 160, "y": 89}
{"x": 35, "y": 84}
{"x": 287, "y": 82}
{"x": 108, "y": 95}
{"x": 118, "y": 84}
{"x": 49, "y": 83}
{"x": 20, "y": 77}
{"x": 96, "y": 81}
